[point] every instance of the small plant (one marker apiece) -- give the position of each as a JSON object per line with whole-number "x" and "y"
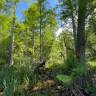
{"x": 66, "y": 80}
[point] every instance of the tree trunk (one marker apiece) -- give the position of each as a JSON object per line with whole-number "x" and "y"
{"x": 12, "y": 49}
{"x": 80, "y": 42}
{"x": 81, "y": 38}
{"x": 12, "y": 37}
{"x": 33, "y": 46}
{"x": 40, "y": 30}
{"x": 74, "y": 31}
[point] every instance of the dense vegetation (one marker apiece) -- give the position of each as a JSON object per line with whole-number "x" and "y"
{"x": 38, "y": 60}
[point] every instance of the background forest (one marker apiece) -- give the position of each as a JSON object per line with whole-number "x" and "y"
{"x": 51, "y": 51}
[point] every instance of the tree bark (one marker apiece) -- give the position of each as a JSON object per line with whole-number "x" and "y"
{"x": 73, "y": 24}
{"x": 33, "y": 45}
{"x": 74, "y": 31}
{"x": 81, "y": 38}
{"x": 40, "y": 30}
{"x": 12, "y": 37}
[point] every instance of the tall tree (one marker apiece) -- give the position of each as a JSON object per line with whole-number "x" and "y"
{"x": 11, "y": 59}
{"x": 77, "y": 9}
{"x": 41, "y": 7}
{"x": 80, "y": 42}
{"x": 69, "y": 10}
{"x": 78, "y": 12}
{"x": 44, "y": 32}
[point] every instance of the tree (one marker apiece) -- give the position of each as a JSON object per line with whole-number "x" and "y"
{"x": 77, "y": 9}
{"x": 69, "y": 10}
{"x": 11, "y": 60}
{"x": 80, "y": 43}
{"x": 44, "y": 24}
{"x": 74, "y": 9}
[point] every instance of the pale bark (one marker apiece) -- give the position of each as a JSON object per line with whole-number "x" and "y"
{"x": 12, "y": 37}
{"x": 40, "y": 30}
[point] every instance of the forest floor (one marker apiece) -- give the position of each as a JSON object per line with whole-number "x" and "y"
{"x": 46, "y": 85}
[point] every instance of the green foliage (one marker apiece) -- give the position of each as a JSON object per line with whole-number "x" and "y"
{"x": 2, "y": 2}
{"x": 78, "y": 71}
{"x": 9, "y": 85}
{"x": 66, "y": 80}
{"x": 33, "y": 14}
{"x": 58, "y": 52}
{"x": 5, "y": 22}
{"x": 92, "y": 90}
{"x": 8, "y": 81}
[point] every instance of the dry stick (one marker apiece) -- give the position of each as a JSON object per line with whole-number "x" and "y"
{"x": 73, "y": 91}
{"x": 78, "y": 89}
